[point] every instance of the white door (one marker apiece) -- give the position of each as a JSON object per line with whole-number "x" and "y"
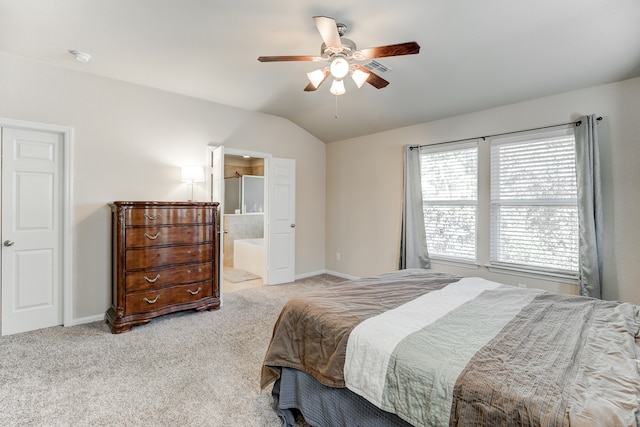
{"x": 217, "y": 195}
{"x": 282, "y": 236}
{"x": 32, "y": 179}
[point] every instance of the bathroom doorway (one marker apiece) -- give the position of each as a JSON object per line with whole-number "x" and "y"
{"x": 243, "y": 222}
{"x": 275, "y": 205}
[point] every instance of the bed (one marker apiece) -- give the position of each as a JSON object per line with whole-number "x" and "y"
{"x": 423, "y": 348}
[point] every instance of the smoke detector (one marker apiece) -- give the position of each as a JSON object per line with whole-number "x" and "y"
{"x": 80, "y": 56}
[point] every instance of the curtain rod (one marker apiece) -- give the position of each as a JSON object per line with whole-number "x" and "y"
{"x": 576, "y": 123}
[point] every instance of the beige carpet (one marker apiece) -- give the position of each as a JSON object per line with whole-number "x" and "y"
{"x": 185, "y": 369}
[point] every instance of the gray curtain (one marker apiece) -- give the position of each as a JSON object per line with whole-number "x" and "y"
{"x": 589, "y": 207}
{"x": 413, "y": 240}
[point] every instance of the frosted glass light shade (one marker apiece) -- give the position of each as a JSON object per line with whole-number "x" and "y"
{"x": 316, "y": 77}
{"x": 339, "y": 67}
{"x": 360, "y": 77}
{"x": 192, "y": 174}
{"x": 337, "y": 87}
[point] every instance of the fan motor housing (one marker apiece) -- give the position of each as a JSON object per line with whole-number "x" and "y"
{"x": 348, "y": 47}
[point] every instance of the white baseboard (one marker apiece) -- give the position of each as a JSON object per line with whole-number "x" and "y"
{"x": 344, "y": 276}
{"x": 333, "y": 273}
{"x": 313, "y": 273}
{"x": 88, "y": 319}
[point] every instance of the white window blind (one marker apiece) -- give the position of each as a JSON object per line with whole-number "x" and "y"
{"x": 449, "y": 193}
{"x": 534, "y": 213}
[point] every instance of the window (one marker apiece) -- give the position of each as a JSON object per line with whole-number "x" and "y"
{"x": 509, "y": 202}
{"x": 450, "y": 195}
{"x": 534, "y": 207}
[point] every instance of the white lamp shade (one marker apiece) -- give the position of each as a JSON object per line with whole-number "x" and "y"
{"x": 316, "y": 77}
{"x": 360, "y": 77}
{"x": 339, "y": 67}
{"x": 192, "y": 173}
{"x": 337, "y": 87}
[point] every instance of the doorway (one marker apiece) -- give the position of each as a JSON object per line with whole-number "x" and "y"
{"x": 278, "y": 216}
{"x": 35, "y": 211}
{"x": 244, "y": 257}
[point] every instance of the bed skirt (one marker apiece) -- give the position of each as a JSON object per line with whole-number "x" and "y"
{"x": 325, "y": 406}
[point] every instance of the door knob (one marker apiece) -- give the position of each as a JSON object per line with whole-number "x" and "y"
{"x": 9, "y": 242}
{"x": 293, "y": 225}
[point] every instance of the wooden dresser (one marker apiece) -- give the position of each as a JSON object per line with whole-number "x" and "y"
{"x": 165, "y": 259}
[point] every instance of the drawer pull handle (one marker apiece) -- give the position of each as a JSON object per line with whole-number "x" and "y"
{"x": 152, "y": 217}
{"x": 152, "y": 237}
{"x": 195, "y": 292}
{"x": 151, "y": 301}
{"x": 152, "y": 280}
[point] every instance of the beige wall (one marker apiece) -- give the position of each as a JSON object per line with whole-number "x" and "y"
{"x": 237, "y": 166}
{"x": 129, "y": 142}
{"x": 364, "y": 183}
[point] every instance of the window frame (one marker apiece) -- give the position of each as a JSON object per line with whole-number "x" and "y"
{"x": 484, "y": 232}
{"x": 533, "y": 135}
{"x": 460, "y": 145}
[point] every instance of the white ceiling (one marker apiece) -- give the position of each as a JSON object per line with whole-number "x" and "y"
{"x": 474, "y": 54}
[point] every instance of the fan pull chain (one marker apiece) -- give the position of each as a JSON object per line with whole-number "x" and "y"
{"x": 336, "y": 115}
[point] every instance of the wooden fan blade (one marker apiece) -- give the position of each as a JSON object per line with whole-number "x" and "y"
{"x": 288, "y": 58}
{"x": 374, "y": 79}
{"x": 409, "y": 48}
{"x": 311, "y": 88}
{"x": 328, "y": 31}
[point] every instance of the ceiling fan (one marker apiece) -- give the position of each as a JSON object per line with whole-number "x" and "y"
{"x": 341, "y": 53}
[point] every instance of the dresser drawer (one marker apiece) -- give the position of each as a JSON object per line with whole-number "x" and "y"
{"x": 162, "y": 278}
{"x": 175, "y": 235}
{"x": 146, "y": 258}
{"x": 139, "y": 302}
{"x": 163, "y": 216}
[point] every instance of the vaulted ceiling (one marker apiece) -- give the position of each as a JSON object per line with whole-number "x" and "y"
{"x": 474, "y": 54}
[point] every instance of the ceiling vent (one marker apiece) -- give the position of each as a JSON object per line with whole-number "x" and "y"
{"x": 377, "y": 67}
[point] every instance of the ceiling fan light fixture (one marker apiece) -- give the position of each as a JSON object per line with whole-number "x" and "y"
{"x": 359, "y": 77}
{"x": 338, "y": 52}
{"x": 316, "y": 77}
{"x": 339, "y": 67}
{"x": 337, "y": 87}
